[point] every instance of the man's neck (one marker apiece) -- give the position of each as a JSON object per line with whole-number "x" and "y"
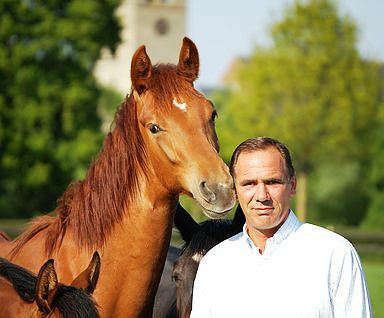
{"x": 260, "y": 236}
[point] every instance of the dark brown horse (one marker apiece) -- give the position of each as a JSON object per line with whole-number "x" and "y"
{"x": 163, "y": 143}
{"x": 199, "y": 239}
{"x": 23, "y": 294}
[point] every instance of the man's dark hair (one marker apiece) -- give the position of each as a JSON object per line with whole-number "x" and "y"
{"x": 262, "y": 143}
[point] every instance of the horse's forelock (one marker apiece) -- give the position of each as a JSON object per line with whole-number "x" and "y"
{"x": 167, "y": 84}
{"x": 75, "y": 303}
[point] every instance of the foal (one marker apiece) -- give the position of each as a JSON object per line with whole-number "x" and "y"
{"x": 24, "y": 294}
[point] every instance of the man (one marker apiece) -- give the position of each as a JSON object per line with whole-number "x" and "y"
{"x": 278, "y": 266}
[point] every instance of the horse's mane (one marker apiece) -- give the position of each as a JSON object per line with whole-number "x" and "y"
{"x": 70, "y": 301}
{"x": 75, "y": 303}
{"x": 210, "y": 233}
{"x": 93, "y": 206}
{"x": 22, "y": 280}
{"x": 4, "y": 236}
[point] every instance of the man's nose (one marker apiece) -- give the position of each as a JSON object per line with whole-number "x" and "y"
{"x": 261, "y": 192}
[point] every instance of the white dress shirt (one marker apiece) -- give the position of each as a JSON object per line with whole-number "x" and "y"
{"x": 305, "y": 271}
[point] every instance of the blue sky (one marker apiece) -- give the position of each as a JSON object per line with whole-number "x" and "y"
{"x": 224, "y": 29}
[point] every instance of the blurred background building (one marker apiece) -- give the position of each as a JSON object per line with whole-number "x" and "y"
{"x": 158, "y": 24}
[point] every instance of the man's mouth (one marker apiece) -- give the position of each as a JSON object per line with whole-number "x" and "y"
{"x": 265, "y": 210}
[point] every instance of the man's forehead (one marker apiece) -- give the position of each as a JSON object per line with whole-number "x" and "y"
{"x": 265, "y": 161}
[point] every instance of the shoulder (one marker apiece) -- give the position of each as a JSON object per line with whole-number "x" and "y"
{"x": 322, "y": 239}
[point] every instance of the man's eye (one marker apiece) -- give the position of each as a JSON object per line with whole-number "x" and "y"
{"x": 274, "y": 182}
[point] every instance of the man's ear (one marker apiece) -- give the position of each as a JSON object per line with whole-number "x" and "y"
{"x": 293, "y": 184}
{"x": 234, "y": 185}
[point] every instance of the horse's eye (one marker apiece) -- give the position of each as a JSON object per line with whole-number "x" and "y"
{"x": 176, "y": 277}
{"x": 214, "y": 116}
{"x": 154, "y": 129}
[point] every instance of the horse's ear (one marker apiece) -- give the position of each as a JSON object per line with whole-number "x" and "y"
{"x": 46, "y": 287}
{"x": 238, "y": 221}
{"x": 186, "y": 225}
{"x": 87, "y": 280}
{"x": 188, "y": 65}
{"x": 141, "y": 70}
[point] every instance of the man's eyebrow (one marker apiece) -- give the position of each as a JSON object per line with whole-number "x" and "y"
{"x": 272, "y": 179}
{"x": 246, "y": 181}
{"x": 277, "y": 179}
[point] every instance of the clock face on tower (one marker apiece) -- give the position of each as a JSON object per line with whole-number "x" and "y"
{"x": 161, "y": 26}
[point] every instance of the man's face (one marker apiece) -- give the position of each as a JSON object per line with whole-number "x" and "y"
{"x": 264, "y": 190}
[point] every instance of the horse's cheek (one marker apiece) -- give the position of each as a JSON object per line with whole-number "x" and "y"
{"x": 167, "y": 146}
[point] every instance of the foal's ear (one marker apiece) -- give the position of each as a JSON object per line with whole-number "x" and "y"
{"x": 238, "y": 221}
{"x": 87, "y": 280}
{"x": 188, "y": 65}
{"x": 185, "y": 224}
{"x": 46, "y": 287}
{"x": 141, "y": 70}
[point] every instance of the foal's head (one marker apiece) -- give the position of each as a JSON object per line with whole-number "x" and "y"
{"x": 178, "y": 127}
{"x": 199, "y": 239}
{"x": 24, "y": 294}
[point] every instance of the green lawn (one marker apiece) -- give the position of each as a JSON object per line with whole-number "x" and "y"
{"x": 374, "y": 272}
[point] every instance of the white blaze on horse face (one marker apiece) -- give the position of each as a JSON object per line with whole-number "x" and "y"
{"x": 197, "y": 257}
{"x": 181, "y": 106}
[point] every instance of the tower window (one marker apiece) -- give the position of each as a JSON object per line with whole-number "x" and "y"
{"x": 161, "y": 26}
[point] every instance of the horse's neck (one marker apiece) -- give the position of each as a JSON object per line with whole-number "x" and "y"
{"x": 136, "y": 254}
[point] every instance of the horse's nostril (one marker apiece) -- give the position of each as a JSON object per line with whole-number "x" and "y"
{"x": 207, "y": 193}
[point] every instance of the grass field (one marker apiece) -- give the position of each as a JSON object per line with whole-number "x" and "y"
{"x": 374, "y": 272}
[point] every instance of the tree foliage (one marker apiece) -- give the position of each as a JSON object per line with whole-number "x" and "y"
{"x": 375, "y": 180}
{"x": 49, "y": 126}
{"x": 311, "y": 89}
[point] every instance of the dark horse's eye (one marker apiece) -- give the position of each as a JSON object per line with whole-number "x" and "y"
{"x": 154, "y": 129}
{"x": 214, "y": 116}
{"x": 176, "y": 277}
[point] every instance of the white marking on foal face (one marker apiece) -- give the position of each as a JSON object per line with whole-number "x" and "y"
{"x": 181, "y": 106}
{"x": 197, "y": 257}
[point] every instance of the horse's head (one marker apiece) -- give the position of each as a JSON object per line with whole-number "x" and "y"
{"x": 178, "y": 125}
{"x": 57, "y": 300}
{"x": 41, "y": 296}
{"x": 199, "y": 239}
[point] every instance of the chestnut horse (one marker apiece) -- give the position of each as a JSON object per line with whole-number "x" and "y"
{"x": 163, "y": 144}
{"x": 22, "y": 294}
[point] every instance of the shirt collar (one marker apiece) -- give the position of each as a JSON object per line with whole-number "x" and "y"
{"x": 290, "y": 225}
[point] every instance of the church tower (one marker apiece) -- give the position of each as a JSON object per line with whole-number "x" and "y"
{"x": 158, "y": 24}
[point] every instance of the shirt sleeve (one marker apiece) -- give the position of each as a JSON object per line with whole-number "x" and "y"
{"x": 200, "y": 299}
{"x": 351, "y": 297}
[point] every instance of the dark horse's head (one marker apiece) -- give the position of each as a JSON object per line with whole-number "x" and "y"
{"x": 199, "y": 239}
{"x": 28, "y": 295}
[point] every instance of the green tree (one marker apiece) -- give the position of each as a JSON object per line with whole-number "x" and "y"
{"x": 311, "y": 89}
{"x": 49, "y": 126}
{"x": 375, "y": 215}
